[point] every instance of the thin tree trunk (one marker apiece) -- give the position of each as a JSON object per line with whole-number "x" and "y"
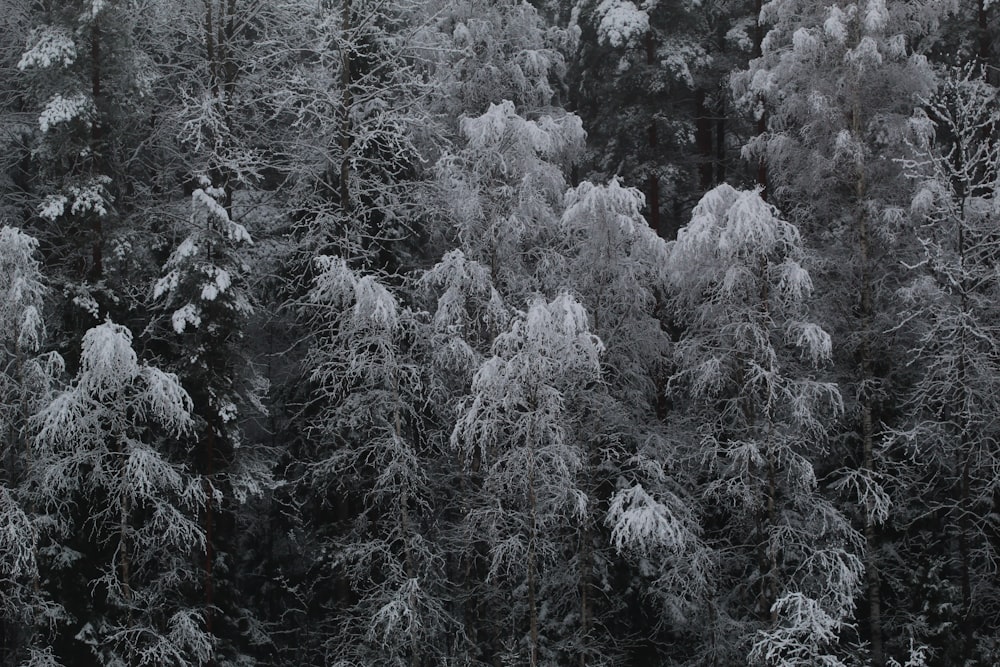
{"x": 532, "y": 535}
{"x": 761, "y": 129}
{"x": 703, "y": 140}
{"x": 867, "y": 400}
{"x": 96, "y": 139}
{"x": 345, "y": 128}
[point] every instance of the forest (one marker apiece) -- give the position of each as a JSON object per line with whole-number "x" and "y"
{"x": 490, "y": 333}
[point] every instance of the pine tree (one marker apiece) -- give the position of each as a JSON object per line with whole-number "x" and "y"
{"x": 372, "y": 453}
{"x": 837, "y": 84}
{"x": 85, "y": 80}
{"x": 502, "y": 194}
{"x": 207, "y": 307}
{"x": 642, "y": 508}
{"x": 666, "y": 64}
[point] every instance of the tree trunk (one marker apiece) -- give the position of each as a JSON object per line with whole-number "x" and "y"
{"x": 96, "y": 139}
{"x": 761, "y": 129}
{"x": 345, "y": 127}
{"x": 867, "y": 400}
{"x": 653, "y": 183}
{"x": 703, "y": 141}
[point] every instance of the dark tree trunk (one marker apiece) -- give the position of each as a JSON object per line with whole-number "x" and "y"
{"x": 703, "y": 141}
{"x": 96, "y": 137}
{"x": 720, "y": 144}
{"x": 758, "y": 40}
{"x": 653, "y": 182}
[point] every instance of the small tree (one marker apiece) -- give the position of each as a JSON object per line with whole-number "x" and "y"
{"x": 207, "y": 302}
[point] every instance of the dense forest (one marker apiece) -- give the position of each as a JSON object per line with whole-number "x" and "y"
{"x": 427, "y": 333}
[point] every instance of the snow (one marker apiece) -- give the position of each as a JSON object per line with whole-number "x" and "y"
{"x": 812, "y": 340}
{"x": 52, "y": 46}
{"x": 865, "y": 55}
{"x": 794, "y": 281}
{"x": 621, "y": 23}
{"x": 108, "y": 362}
{"x": 145, "y": 472}
{"x": 185, "y": 315}
{"x": 923, "y": 201}
{"x": 166, "y": 400}
{"x": 641, "y": 524}
{"x": 61, "y": 109}
{"x": 373, "y": 303}
{"x": 93, "y": 9}
{"x": 87, "y": 303}
{"x": 847, "y": 148}
{"x": 834, "y": 25}
{"x": 804, "y": 43}
{"x": 204, "y": 200}
{"x": 219, "y": 284}
{"x": 91, "y": 197}
{"x": 877, "y": 16}
{"x": 53, "y": 207}
{"x": 31, "y": 327}
{"x": 17, "y": 539}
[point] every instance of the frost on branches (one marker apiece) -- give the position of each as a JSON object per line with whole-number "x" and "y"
{"x": 950, "y": 310}
{"x": 759, "y": 419}
{"x": 369, "y": 411}
{"x": 504, "y": 191}
{"x": 105, "y": 476}
{"x": 519, "y": 426}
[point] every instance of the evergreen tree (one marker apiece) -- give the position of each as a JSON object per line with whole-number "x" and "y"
{"x": 205, "y": 295}
{"x": 838, "y": 84}
{"x": 373, "y": 452}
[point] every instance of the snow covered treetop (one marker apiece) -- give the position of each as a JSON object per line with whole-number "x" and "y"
{"x": 730, "y": 223}
{"x": 550, "y": 137}
{"x": 371, "y": 305}
{"x": 622, "y": 23}
{"x": 50, "y": 45}
{"x": 552, "y": 337}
